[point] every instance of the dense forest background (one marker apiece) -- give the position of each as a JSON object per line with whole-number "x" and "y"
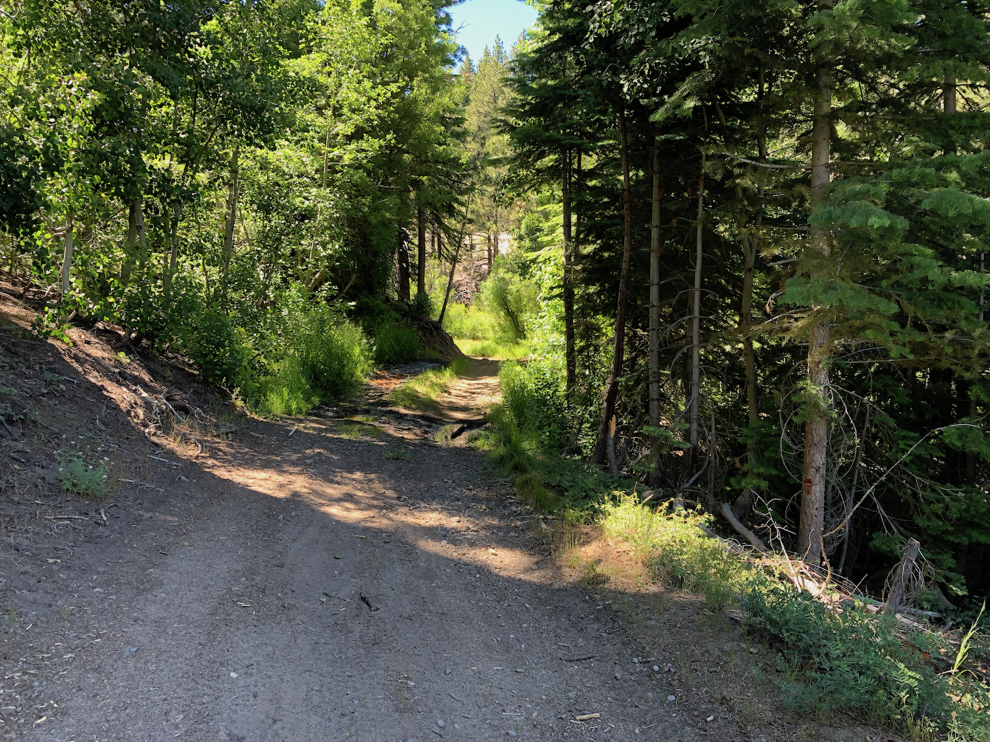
{"x": 748, "y": 264}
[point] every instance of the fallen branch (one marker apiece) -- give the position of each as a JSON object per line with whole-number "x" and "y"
{"x": 741, "y": 529}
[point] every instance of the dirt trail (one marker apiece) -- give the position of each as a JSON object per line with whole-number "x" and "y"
{"x": 229, "y": 606}
{"x": 336, "y": 577}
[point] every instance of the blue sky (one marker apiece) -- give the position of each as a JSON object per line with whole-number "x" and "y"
{"x": 480, "y": 21}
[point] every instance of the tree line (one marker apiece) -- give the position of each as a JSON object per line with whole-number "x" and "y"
{"x": 771, "y": 224}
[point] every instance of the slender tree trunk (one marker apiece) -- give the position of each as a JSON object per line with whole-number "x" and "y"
{"x": 694, "y": 396}
{"x": 850, "y": 502}
{"x": 420, "y": 251}
{"x": 488, "y": 240}
{"x": 655, "y": 253}
{"x": 403, "y": 267}
{"x": 67, "y": 256}
{"x": 570, "y": 364}
{"x": 228, "y": 238}
{"x": 816, "y": 425}
{"x": 612, "y": 385}
{"x": 949, "y": 94}
{"x": 130, "y": 243}
{"x": 173, "y": 238}
{"x": 971, "y": 458}
{"x": 453, "y": 264}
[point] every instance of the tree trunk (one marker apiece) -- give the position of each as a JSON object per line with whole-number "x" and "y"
{"x": 655, "y": 253}
{"x": 694, "y": 396}
{"x": 744, "y": 502}
{"x": 130, "y": 243}
{"x": 228, "y": 238}
{"x": 971, "y": 457}
{"x": 173, "y": 237}
{"x": 816, "y": 425}
{"x": 570, "y": 364}
{"x": 67, "y": 256}
{"x": 612, "y": 385}
{"x": 420, "y": 251}
{"x": 453, "y": 265}
{"x": 403, "y": 261}
{"x": 488, "y": 240}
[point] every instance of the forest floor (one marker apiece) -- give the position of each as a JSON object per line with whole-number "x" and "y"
{"x": 339, "y": 576}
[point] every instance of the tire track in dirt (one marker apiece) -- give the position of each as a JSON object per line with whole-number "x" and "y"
{"x": 241, "y": 617}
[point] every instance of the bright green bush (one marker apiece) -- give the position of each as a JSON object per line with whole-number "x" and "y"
{"x": 333, "y": 353}
{"x": 287, "y": 392}
{"x": 395, "y": 343}
{"x": 219, "y": 348}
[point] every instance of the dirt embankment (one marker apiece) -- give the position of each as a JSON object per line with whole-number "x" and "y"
{"x": 335, "y": 577}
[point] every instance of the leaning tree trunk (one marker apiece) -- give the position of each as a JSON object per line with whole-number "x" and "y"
{"x": 816, "y": 425}
{"x": 453, "y": 264}
{"x": 570, "y": 364}
{"x": 612, "y": 385}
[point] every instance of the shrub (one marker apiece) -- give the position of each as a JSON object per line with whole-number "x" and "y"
{"x": 286, "y": 393}
{"x": 395, "y": 343}
{"x": 847, "y": 660}
{"x": 333, "y": 353}
{"x": 218, "y": 348}
{"x": 85, "y": 480}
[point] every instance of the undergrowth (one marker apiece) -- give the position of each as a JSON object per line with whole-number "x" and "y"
{"x": 421, "y": 391}
{"x": 831, "y": 660}
{"x": 91, "y": 481}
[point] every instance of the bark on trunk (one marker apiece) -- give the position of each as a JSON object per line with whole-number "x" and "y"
{"x": 421, "y": 251}
{"x": 67, "y": 256}
{"x": 453, "y": 265}
{"x": 569, "y": 359}
{"x": 488, "y": 239}
{"x": 655, "y": 253}
{"x": 228, "y": 238}
{"x": 612, "y": 385}
{"x": 130, "y": 243}
{"x": 694, "y": 399}
{"x": 403, "y": 260}
{"x": 816, "y": 426}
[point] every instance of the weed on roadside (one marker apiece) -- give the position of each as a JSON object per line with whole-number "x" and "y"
{"x": 85, "y": 480}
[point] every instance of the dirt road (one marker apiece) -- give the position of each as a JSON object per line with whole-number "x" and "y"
{"x": 326, "y": 579}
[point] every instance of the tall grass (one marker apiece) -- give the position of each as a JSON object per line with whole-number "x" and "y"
{"x": 831, "y": 660}
{"x": 422, "y": 391}
{"x": 395, "y": 343}
{"x": 323, "y": 354}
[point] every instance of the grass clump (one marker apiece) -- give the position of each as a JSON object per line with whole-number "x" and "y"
{"x": 91, "y": 481}
{"x": 506, "y": 351}
{"x": 677, "y": 551}
{"x": 831, "y": 660}
{"x": 421, "y": 392}
{"x": 324, "y": 355}
{"x": 395, "y": 343}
